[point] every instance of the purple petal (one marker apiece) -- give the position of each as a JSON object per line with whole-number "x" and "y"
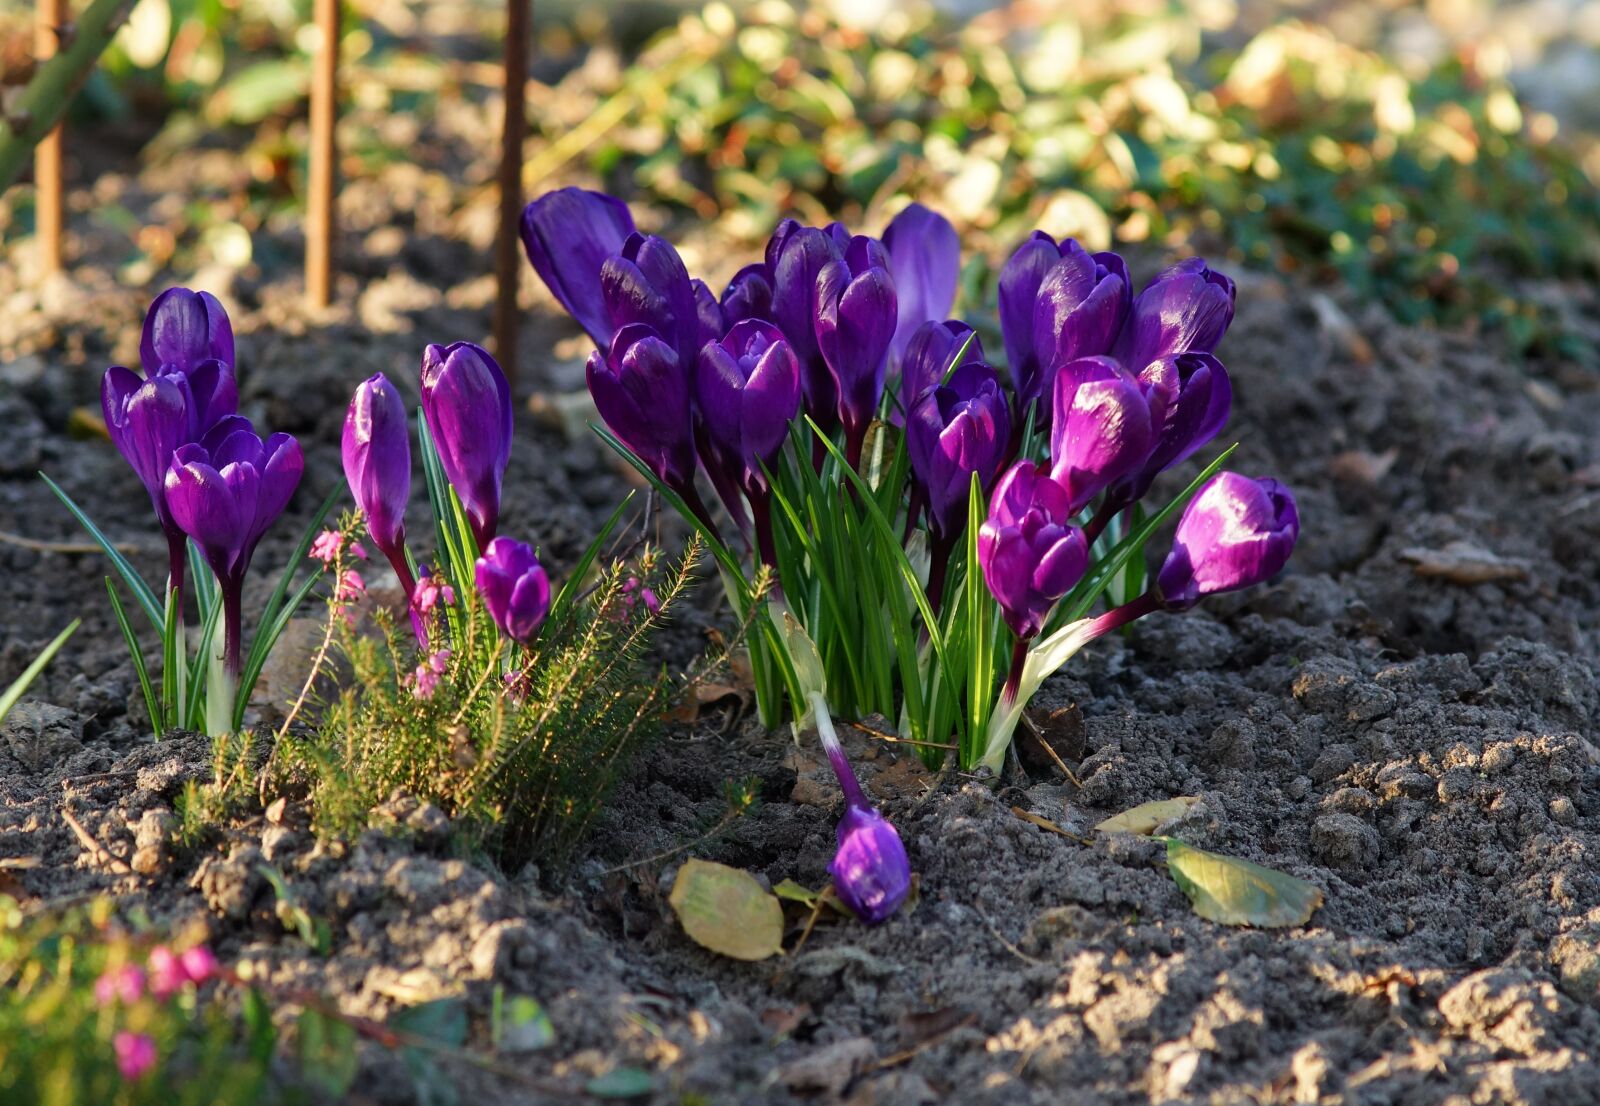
{"x": 568, "y": 234}
{"x": 925, "y": 259}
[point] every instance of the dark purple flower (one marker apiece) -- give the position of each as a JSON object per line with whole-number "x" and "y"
{"x": 871, "y": 872}
{"x": 568, "y": 234}
{"x": 1189, "y": 397}
{"x": 1100, "y": 430}
{"x": 147, "y": 421}
{"x": 956, "y": 430}
{"x": 856, "y": 318}
{"x": 515, "y": 589}
{"x": 224, "y": 493}
{"x": 182, "y": 329}
{"x": 641, "y": 390}
{"x": 1057, "y": 304}
{"x": 795, "y": 256}
{"x": 467, "y": 404}
{"x": 1031, "y": 553}
{"x": 376, "y": 449}
{"x": 747, "y": 391}
{"x": 748, "y": 295}
{"x": 709, "y": 313}
{"x": 1185, "y": 309}
{"x": 1235, "y": 533}
{"x": 645, "y": 282}
{"x": 925, "y": 260}
{"x": 931, "y": 354}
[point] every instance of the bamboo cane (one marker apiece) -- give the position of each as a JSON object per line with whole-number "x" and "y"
{"x": 507, "y": 262}
{"x": 323, "y": 152}
{"x": 47, "y": 156}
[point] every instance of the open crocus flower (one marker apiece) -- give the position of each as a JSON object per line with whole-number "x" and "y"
{"x": 955, "y": 431}
{"x": 925, "y": 260}
{"x": 1057, "y": 303}
{"x": 856, "y": 317}
{"x": 930, "y": 355}
{"x": 1030, "y": 552}
{"x": 182, "y": 329}
{"x": 645, "y": 283}
{"x": 1189, "y": 397}
{"x": 467, "y": 404}
{"x": 795, "y": 257}
{"x": 568, "y": 234}
{"x": 1100, "y": 431}
{"x": 515, "y": 589}
{"x": 1185, "y": 309}
{"x": 1235, "y": 533}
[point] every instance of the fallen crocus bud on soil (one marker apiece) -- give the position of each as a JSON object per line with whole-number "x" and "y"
{"x": 1237, "y": 532}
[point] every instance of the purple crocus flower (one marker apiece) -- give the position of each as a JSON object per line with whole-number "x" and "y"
{"x": 1235, "y": 533}
{"x": 147, "y": 421}
{"x": 515, "y": 589}
{"x": 1100, "y": 431}
{"x": 955, "y": 430}
{"x": 931, "y": 354}
{"x": 748, "y": 295}
{"x": 224, "y": 493}
{"x": 568, "y": 234}
{"x": 871, "y": 872}
{"x": 747, "y": 391}
{"x": 925, "y": 260}
{"x": 796, "y": 256}
{"x": 183, "y": 328}
{"x": 856, "y": 318}
{"x": 645, "y": 282}
{"x": 1185, "y": 309}
{"x": 1057, "y": 303}
{"x": 376, "y": 448}
{"x": 1030, "y": 552}
{"x": 467, "y": 404}
{"x": 708, "y": 313}
{"x": 1190, "y": 397}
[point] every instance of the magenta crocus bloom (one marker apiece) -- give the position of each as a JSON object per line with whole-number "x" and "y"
{"x": 958, "y": 430}
{"x": 1030, "y": 551}
{"x": 182, "y": 329}
{"x": 1100, "y": 430}
{"x": 1189, "y": 396}
{"x": 466, "y": 402}
{"x": 136, "y": 1053}
{"x": 1235, "y": 533}
{"x": 1185, "y": 309}
{"x": 925, "y": 260}
{"x": 747, "y": 391}
{"x": 376, "y": 449}
{"x": 646, "y": 283}
{"x": 641, "y": 389}
{"x": 856, "y": 317}
{"x": 568, "y": 234}
{"x": 795, "y": 257}
{"x": 515, "y": 589}
{"x": 748, "y": 295}
{"x": 930, "y": 356}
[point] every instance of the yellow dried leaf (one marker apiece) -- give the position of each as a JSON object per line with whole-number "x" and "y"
{"x": 727, "y": 911}
{"x": 1237, "y": 892}
{"x": 1144, "y": 818}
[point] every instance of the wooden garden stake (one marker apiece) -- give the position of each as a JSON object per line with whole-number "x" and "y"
{"x": 507, "y": 262}
{"x": 320, "y": 177}
{"x": 47, "y": 156}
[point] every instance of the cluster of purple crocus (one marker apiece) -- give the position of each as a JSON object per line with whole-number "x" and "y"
{"x": 849, "y": 329}
{"x": 209, "y": 475}
{"x": 466, "y": 403}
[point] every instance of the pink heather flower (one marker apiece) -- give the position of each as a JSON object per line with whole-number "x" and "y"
{"x": 439, "y": 661}
{"x": 519, "y": 684}
{"x": 166, "y": 972}
{"x": 199, "y": 964}
{"x": 358, "y": 551}
{"x": 136, "y": 1053}
{"x": 125, "y": 984}
{"x": 326, "y": 547}
{"x": 432, "y": 592}
{"x": 424, "y": 682}
{"x": 651, "y": 603}
{"x": 351, "y": 587}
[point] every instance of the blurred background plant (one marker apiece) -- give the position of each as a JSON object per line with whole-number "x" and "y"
{"x": 1393, "y": 146}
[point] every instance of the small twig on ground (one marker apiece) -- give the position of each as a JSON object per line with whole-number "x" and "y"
{"x": 894, "y": 1059}
{"x": 811, "y": 922}
{"x": 100, "y": 853}
{"x": 1048, "y": 748}
{"x": 39, "y": 546}
{"x": 728, "y": 819}
{"x": 299, "y": 703}
{"x": 883, "y": 735}
{"x": 1009, "y": 947}
{"x": 1046, "y": 824}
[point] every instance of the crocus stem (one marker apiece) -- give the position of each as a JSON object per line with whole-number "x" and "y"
{"x": 1019, "y": 659}
{"x": 913, "y": 509}
{"x": 223, "y": 683}
{"x": 1117, "y": 617}
{"x": 855, "y": 440}
{"x": 853, "y": 795}
{"x": 761, "y": 511}
{"x": 177, "y": 562}
{"x": 697, "y": 506}
{"x": 938, "y": 568}
{"x": 1101, "y": 519}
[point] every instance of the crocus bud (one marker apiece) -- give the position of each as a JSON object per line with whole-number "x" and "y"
{"x": 515, "y": 589}
{"x": 748, "y": 295}
{"x": 568, "y": 234}
{"x": 1030, "y": 552}
{"x": 376, "y": 448}
{"x": 1100, "y": 431}
{"x": 467, "y": 404}
{"x": 1057, "y": 303}
{"x": 1185, "y": 309}
{"x": 871, "y": 872}
{"x": 925, "y": 260}
{"x": 645, "y": 282}
{"x": 641, "y": 390}
{"x": 182, "y": 329}
{"x": 956, "y": 430}
{"x": 856, "y": 318}
{"x": 795, "y": 256}
{"x": 1189, "y": 397}
{"x": 147, "y": 420}
{"x": 931, "y": 354}
{"x": 747, "y": 391}
{"x": 1235, "y": 533}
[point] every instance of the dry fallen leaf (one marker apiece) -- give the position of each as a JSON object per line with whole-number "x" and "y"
{"x": 1461, "y": 562}
{"x": 727, "y": 911}
{"x": 1237, "y": 892}
{"x": 1144, "y": 818}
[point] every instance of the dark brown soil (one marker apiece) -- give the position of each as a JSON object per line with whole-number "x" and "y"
{"x": 1407, "y": 719}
